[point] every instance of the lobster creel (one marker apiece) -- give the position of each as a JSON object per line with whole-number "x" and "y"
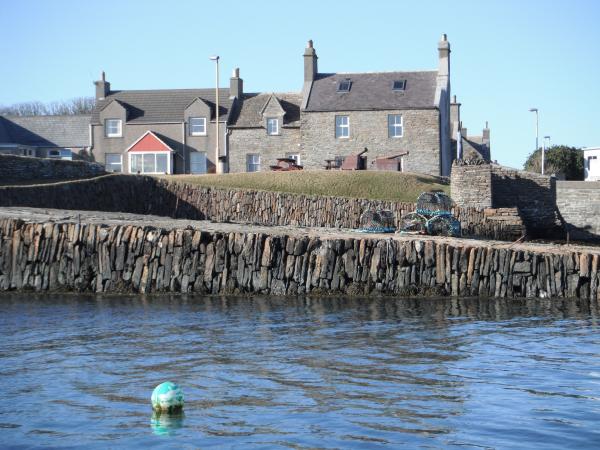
{"x": 434, "y": 203}
{"x": 377, "y": 221}
{"x": 413, "y": 223}
{"x": 443, "y": 225}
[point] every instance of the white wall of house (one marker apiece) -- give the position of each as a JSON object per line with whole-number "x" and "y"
{"x": 591, "y": 161}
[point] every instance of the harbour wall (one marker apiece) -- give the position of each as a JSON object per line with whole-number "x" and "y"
{"x": 71, "y": 255}
{"x": 149, "y": 195}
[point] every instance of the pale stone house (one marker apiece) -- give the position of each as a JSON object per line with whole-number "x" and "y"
{"x": 386, "y": 112}
{"x": 265, "y": 127}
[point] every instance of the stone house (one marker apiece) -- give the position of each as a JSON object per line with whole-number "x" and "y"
{"x": 160, "y": 131}
{"x": 340, "y": 114}
{"x": 386, "y": 112}
{"x": 61, "y": 137}
{"x": 265, "y": 127}
{"x": 334, "y": 116}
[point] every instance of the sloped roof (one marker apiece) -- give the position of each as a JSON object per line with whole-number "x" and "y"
{"x": 373, "y": 91}
{"x": 249, "y": 113}
{"x": 164, "y": 105}
{"x": 46, "y": 131}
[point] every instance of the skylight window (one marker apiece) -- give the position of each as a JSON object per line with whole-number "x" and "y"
{"x": 344, "y": 85}
{"x": 399, "y": 85}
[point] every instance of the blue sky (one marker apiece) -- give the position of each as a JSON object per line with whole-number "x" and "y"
{"x": 507, "y": 56}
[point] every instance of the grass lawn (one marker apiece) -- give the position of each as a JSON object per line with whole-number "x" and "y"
{"x": 397, "y": 186}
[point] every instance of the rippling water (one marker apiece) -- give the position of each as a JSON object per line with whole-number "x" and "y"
{"x": 78, "y": 371}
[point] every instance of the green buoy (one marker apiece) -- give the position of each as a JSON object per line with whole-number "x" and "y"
{"x": 167, "y": 397}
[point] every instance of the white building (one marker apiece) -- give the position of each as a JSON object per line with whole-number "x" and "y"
{"x": 591, "y": 161}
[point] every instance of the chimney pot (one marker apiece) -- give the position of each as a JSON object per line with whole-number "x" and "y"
{"x": 236, "y": 73}
{"x": 310, "y": 44}
{"x": 444, "y": 37}
{"x": 454, "y": 99}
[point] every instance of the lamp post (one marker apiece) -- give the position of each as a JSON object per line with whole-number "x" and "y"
{"x": 546, "y": 146}
{"x": 215, "y": 58}
{"x": 537, "y": 122}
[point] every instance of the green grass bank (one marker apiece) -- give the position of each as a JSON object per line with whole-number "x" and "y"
{"x": 393, "y": 186}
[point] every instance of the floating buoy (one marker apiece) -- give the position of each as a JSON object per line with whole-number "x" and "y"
{"x": 167, "y": 397}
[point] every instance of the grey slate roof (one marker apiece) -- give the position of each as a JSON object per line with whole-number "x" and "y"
{"x": 4, "y": 136}
{"x": 164, "y": 105}
{"x": 248, "y": 113}
{"x": 46, "y": 131}
{"x": 373, "y": 91}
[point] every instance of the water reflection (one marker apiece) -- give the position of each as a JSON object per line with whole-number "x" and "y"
{"x": 166, "y": 424}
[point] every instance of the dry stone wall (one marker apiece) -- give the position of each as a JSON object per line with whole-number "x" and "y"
{"x": 491, "y": 185}
{"x": 129, "y": 258}
{"x": 578, "y": 203}
{"x": 26, "y": 168}
{"x": 147, "y": 195}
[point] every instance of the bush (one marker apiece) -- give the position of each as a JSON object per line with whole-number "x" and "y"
{"x": 559, "y": 159}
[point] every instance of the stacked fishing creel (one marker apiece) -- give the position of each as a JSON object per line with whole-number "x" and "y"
{"x": 377, "y": 221}
{"x": 433, "y": 216}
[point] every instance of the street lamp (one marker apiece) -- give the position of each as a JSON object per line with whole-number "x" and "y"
{"x": 215, "y": 58}
{"x": 544, "y": 151}
{"x": 536, "y": 131}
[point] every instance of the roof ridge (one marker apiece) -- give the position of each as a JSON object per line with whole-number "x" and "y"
{"x": 382, "y": 72}
{"x": 166, "y": 90}
{"x": 14, "y": 116}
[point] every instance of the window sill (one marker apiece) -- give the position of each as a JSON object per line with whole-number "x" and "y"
{"x": 198, "y": 135}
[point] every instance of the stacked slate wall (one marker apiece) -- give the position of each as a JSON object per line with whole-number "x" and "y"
{"x": 148, "y": 195}
{"x": 578, "y": 204}
{"x": 491, "y": 185}
{"x": 130, "y": 258}
{"x": 25, "y": 168}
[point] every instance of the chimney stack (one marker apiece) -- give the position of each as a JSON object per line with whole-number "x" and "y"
{"x": 310, "y": 63}
{"x": 102, "y": 87}
{"x": 444, "y": 56}
{"x": 454, "y": 115}
{"x": 236, "y": 84}
{"x": 486, "y": 134}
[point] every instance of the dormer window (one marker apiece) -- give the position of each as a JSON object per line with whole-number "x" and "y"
{"x": 399, "y": 85}
{"x": 344, "y": 85}
{"x": 112, "y": 128}
{"x": 197, "y": 126}
{"x": 272, "y": 126}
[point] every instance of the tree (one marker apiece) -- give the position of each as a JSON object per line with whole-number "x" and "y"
{"x": 74, "y": 106}
{"x": 559, "y": 159}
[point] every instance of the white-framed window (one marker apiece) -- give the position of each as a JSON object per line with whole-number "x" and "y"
{"x": 395, "y": 125}
{"x": 113, "y": 162}
{"x": 252, "y": 162}
{"x": 342, "y": 127}
{"x": 272, "y": 126}
{"x": 150, "y": 162}
{"x": 197, "y": 126}
{"x": 113, "y": 128}
{"x": 294, "y": 156}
